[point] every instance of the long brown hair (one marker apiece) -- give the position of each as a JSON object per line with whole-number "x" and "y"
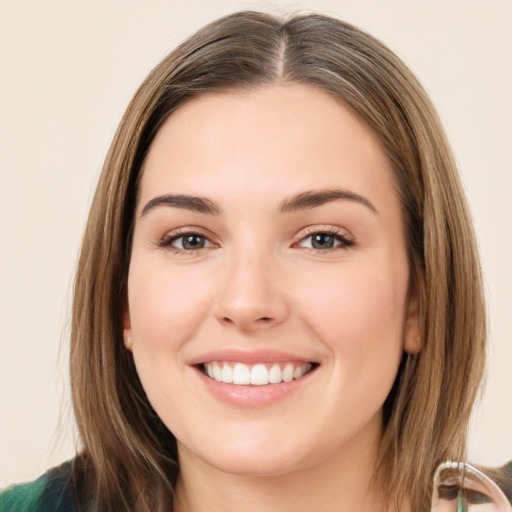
{"x": 129, "y": 457}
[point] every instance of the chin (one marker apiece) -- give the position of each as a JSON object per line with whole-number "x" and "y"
{"x": 248, "y": 460}
{"x": 256, "y": 466}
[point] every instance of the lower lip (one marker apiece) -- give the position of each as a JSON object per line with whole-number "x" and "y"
{"x": 253, "y": 396}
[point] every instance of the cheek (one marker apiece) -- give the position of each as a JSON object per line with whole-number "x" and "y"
{"x": 165, "y": 305}
{"x": 358, "y": 312}
{"x": 166, "y": 308}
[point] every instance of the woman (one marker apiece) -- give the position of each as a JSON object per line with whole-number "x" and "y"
{"x": 278, "y": 302}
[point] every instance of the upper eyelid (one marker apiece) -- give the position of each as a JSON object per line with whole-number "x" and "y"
{"x": 189, "y": 230}
{"x": 177, "y": 236}
{"x": 332, "y": 230}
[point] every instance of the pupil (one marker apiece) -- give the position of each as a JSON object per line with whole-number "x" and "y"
{"x": 322, "y": 241}
{"x": 193, "y": 242}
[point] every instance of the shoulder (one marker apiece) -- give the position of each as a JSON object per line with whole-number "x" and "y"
{"x": 502, "y": 476}
{"x": 51, "y": 492}
{"x": 506, "y": 481}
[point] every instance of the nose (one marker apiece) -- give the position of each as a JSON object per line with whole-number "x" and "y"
{"x": 252, "y": 296}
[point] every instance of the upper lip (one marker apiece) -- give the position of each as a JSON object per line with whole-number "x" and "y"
{"x": 248, "y": 356}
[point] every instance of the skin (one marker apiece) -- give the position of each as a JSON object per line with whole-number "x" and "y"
{"x": 259, "y": 284}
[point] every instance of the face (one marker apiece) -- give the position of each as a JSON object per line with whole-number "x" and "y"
{"x": 268, "y": 290}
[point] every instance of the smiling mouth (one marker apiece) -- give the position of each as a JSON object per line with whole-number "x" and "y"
{"x": 261, "y": 374}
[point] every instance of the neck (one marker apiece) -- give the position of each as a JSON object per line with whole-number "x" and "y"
{"x": 339, "y": 483}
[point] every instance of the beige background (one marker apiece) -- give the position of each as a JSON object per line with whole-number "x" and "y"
{"x": 68, "y": 69}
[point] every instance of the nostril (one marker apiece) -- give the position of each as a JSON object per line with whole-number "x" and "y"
{"x": 248, "y": 324}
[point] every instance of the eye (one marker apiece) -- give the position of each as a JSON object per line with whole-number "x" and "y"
{"x": 325, "y": 240}
{"x": 186, "y": 242}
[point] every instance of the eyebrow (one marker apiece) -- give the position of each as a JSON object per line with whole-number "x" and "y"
{"x": 314, "y": 198}
{"x": 193, "y": 203}
{"x": 302, "y": 201}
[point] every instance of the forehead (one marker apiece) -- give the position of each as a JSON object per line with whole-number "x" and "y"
{"x": 275, "y": 138}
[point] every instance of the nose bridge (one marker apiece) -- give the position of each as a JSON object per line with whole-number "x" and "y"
{"x": 251, "y": 296}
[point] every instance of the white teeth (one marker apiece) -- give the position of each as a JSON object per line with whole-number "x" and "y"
{"x": 217, "y": 372}
{"x": 257, "y": 375}
{"x": 288, "y": 373}
{"x": 241, "y": 374}
{"x": 304, "y": 369}
{"x": 227, "y": 374}
{"x": 275, "y": 375}
{"x": 299, "y": 371}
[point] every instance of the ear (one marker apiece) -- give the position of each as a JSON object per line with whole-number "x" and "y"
{"x": 127, "y": 329}
{"x": 412, "y": 341}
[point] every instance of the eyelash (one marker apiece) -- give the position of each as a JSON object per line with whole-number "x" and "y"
{"x": 343, "y": 242}
{"x": 167, "y": 241}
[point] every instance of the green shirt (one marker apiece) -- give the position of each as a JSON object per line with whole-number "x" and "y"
{"x": 54, "y": 492}
{"x": 51, "y": 492}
